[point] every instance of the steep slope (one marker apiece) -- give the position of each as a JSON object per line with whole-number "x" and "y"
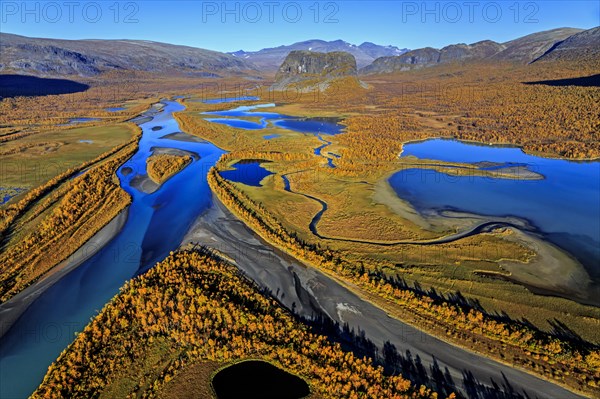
{"x": 582, "y": 46}
{"x": 527, "y": 48}
{"x": 269, "y": 59}
{"x": 312, "y": 69}
{"x": 479, "y": 50}
{"x": 522, "y": 50}
{"x": 54, "y": 57}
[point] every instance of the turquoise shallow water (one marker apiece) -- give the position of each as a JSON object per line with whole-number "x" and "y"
{"x": 156, "y": 225}
{"x": 564, "y": 206}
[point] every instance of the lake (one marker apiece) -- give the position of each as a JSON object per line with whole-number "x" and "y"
{"x": 316, "y": 126}
{"x": 564, "y": 205}
{"x": 248, "y": 172}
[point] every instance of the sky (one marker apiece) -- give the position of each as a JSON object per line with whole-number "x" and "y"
{"x": 252, "y": 25}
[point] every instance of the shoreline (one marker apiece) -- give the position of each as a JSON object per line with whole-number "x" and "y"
{"x": 503, "y": 145}
{"x": 12, "y": 309}
{"x": 553, "y": 271}
{"x": 145, "y": 184}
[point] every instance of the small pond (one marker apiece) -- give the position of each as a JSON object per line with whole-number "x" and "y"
{"x": 271, "y": 136}
{"x": 249, "y": 172}
{"x": 255, "y": 379}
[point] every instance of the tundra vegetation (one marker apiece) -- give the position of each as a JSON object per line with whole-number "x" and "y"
{"x": 162, "y": 166}
{"x": 440, "y": 288}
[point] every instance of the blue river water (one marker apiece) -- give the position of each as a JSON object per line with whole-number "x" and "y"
{"x": 230, "y": 99}
{"x": 564, "y": 205}
{"x": 156, "y": 224}
{"x": 316, "y": 126}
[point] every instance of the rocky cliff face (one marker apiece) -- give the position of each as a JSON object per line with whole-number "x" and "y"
{"x": 315, "y": 68}
{"x": 299, "y": 64}
{"x": 52, "y": 57}
{"x": 269, "y": 59}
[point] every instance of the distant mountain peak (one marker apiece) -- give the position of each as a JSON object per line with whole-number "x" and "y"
{"x": 309, "y": 70}
{"x": 271, "y": 58}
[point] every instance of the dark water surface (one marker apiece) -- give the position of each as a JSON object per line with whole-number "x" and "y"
{"x": 255, "y": 379}
{"x": 247, "y": 172}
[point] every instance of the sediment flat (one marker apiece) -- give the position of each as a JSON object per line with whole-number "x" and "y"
{"x": 12, "y": 309}
{"x": 308, "y": 292}
{"x": 551, "y": 271}
{"x": 180, "y": 136}
{"x": 144, "y": 183}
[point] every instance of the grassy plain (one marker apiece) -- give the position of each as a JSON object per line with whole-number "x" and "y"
{"x": 33, "y": 160}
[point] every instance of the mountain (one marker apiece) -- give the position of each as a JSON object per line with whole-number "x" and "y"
{"x": 375, "y": 50}
{"x": 429, "y": 56}
{"x": 527, "y": 48}
{"x": 479, "y": 50}
{"x": 309, "y": 69}
{"x": 269, "y": 59}
{"x": 580, "y": 46}
{"x": 54, "y": 57}
{"x": 522, "y": 50}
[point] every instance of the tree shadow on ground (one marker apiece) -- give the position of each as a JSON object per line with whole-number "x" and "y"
{"x": 584, "y": 81}
{"x": 559, "y": 329}
{"x": 32, "y": 86}
{"x": 411, "y": 366}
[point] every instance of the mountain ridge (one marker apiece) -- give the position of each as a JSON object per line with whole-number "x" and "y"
{"x": 90, "y": 57}
{"x": 524, "y": 50}
{"x": 270, "y": 58}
